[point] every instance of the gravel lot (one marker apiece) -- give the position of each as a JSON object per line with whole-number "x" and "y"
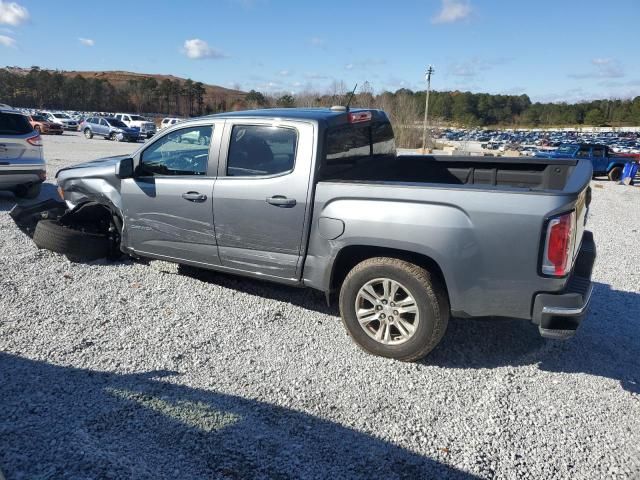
{"x": 145, "y": 370}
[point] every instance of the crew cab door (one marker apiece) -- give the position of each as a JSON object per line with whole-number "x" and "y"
{"x": 168, "y": 203}
{"x": 260, "y": 196}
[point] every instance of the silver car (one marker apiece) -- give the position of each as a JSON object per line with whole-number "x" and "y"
{"x": 22, "y": 164}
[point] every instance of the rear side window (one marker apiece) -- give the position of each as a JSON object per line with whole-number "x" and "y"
{"x": 351, "y": 143}
{"x": 257, "y": 150}
{"x": 14, "y": 124}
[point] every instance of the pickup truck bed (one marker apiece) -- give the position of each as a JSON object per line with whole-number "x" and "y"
{"x": 532, "y": 174}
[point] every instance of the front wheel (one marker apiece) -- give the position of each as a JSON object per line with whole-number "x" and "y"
{"x": 394, "y": 308}
{"x": 87, "y": 133}
{"x": 615, "y": 174}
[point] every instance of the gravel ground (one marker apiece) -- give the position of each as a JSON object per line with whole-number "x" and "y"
{"x": 144, "y": 370}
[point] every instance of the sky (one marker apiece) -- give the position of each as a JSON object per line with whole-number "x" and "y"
{"x": 552, "y": 50}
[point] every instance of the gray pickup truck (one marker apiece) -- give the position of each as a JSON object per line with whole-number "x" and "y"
{"x": 319, "y": 198}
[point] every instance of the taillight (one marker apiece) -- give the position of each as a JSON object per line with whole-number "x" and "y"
{"x": 36, "y": 140}
{"x": 558, "y": 249}
{"x": 357, "y": 117}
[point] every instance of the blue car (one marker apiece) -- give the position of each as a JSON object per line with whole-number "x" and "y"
{"x": 110, "y": 128}
{"x": 604, "y": 161}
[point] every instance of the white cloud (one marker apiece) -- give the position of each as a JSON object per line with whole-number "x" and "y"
{"x": 452, "y": 11}
{"x": 12, "y": 13}
{"x": 88, "y": 42}
{"x": 317, "y": 41}
{"x": 603, "y": 68}
{"x": 284, "y": 73}
{"x": 199, "y": 49}
{"x": 7, "y": 41}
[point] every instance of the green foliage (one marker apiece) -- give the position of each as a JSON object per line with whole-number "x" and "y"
{"x": 256, "y": 98}
{"x": 286, "y": 101}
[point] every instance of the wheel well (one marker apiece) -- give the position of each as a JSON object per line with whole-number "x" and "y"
{"x": 350, "y": 256}
{"x": 97, "y": 216}
{"x": 614, "y": 166}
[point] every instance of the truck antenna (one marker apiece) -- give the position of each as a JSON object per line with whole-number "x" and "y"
{"x": 353, "y": 92}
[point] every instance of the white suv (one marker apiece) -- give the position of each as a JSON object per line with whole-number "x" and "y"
{"x": 147, "y": 128}
{"x": 61, "y": 118}
{"x": 22, "y": 165}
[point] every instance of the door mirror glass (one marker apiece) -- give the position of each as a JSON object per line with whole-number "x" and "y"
{"x": 124, "y": 168}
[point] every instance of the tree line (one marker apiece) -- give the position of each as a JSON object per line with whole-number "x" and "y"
{"x": 45, "y": 89}
{"x": 52, "y": 90}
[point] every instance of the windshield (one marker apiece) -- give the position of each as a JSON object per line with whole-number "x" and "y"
{"x": 116, "y": 123}
{"x": 38, "y": 118}
{"x": 566, "y": 149}
{"x": 137, "y": 118}
{"x": 61, "y": 115}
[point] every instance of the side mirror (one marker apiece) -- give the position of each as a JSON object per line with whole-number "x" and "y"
{"x": 124, "y": 168}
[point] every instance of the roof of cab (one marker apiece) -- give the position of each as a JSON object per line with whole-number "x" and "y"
{"x": 325, "y": 115}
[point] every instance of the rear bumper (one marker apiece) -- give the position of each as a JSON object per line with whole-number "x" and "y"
{"x": 558, "y": 315}
{"x": 27, "y": 176}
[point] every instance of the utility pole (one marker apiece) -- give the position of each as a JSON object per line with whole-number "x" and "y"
{"x": 430, "y": 71}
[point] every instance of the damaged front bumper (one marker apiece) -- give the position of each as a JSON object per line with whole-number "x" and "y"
{"x": 26, "y": 217}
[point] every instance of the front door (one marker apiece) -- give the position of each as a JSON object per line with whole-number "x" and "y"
{"x": 168, "y": 204}
{"x": 260, "y": 196}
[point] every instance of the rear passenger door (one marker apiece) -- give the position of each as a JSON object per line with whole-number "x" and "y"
{"x": 260, "y": 196}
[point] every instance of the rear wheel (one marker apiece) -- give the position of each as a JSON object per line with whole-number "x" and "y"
{"x": 77, "y": 245}
{"x": 615, "y": 174}
{"x": 87, "y": 133}
{"x": 394, "y": 308}
{"x": 28, "y": 191}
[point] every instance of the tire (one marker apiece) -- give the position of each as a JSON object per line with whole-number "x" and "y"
{"x": 38, "y": 129}
{"x": 76, "y": 245}
{"x": 415, "y": 283}
{"x": 28, "y": 191}
{"x": 87, "y": 133}
{"x": 615, "y": 174}
{"x": 113, "y": 137}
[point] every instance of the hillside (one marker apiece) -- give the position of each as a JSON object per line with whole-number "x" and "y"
{"x": 213, "y": 94}
{"x": 119, "y": 78}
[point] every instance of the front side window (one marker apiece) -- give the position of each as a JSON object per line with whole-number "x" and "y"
{"x": 257, "y": 150}
{"x": 598, "y": 152}
{"x": 181, "y": 152}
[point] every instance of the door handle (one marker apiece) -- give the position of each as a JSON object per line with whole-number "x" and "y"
{"x": 194, "y": 196}
{"x": 281, "y": 201}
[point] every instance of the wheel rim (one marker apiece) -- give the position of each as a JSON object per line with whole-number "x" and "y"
{"x": 87, "y": 133}
{"x": 387, "y": 311}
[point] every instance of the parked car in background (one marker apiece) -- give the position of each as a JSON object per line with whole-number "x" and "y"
{"x": 41, "y": 125}
{"x": 147, "y": 128}
{"x": 109, "y": 128}
{"x": 62, "y": 119}
{"x": 169, "y": 122}
{"x": 22, "y": 164}
{"x": 604, "y": 161}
